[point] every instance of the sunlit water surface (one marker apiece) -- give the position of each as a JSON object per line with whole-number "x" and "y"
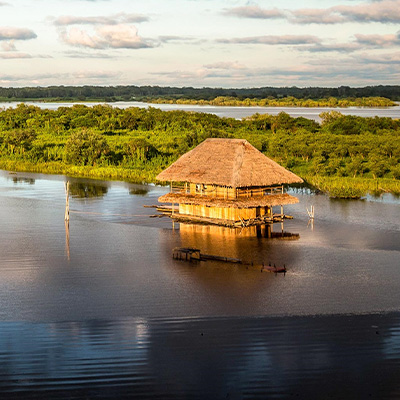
{"x": 235, "y": 112}
{"x": 100, "y": 309}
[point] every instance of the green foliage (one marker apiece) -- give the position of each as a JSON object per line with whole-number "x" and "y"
{"x": 287, "y": 101}
{"x": 137, "y": 143}
{"x": 85, "y": 148}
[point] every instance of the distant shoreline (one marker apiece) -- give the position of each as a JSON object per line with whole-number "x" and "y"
{"x": 291, "y": 102}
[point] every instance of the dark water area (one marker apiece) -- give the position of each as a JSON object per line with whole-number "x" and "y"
{"x": 235, "y": 112}
{"x": 99, "y": 309}
{"x": 340, "y": 357}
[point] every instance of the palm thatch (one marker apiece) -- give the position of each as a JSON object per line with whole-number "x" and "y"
{"x": 249, "y": 202}
{"x": 227, "y": 162}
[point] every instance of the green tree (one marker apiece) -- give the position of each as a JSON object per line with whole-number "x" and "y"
{"x": 86, "y": 148}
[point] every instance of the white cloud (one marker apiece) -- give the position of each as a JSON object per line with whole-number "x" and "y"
{"x": 255, "y": 12}
{"x": 11, "y": 33}
{"x": 90, "y": 75}
{"x": 12, "y": 55}
{"x": 385, "y": 11}
{"x": 228, "y": 65}
{"x": 8, "y": 46}
{"x": 116, "y": 19}
{"x": 379, "y": 41}
{"x": 108, "y": 36}
{"x": 274, "y": 40}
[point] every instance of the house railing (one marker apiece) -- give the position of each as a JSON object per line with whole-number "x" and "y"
{"x": 211, "y": 191}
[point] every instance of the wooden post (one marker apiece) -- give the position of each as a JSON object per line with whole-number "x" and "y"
{"x": 66, "y": 215}
{"x": 282, "y": 212}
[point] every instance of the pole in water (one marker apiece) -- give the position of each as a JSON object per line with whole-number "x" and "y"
{"x": 66, "y": 215}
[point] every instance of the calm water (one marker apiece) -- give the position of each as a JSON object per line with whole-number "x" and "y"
{"x": 102, "y": 310}
{"x": 237, "y": 112}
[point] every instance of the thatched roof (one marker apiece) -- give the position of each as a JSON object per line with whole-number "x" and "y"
{"x": 227, "y": 162}
{"x": 247, "y": 202}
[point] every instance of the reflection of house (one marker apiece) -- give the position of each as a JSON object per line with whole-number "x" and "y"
{"x": 227, "y": 182}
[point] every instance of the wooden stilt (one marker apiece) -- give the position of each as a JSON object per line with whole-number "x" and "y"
{"x": 66, "y": 215}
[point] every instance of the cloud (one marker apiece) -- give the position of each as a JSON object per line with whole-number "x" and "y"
{"x": 73, "y": 78}
{"x": 85, "y": 75}
{"x": 316, "y": 16}
{"x": 391, "y": 58}
{"x": 332, "y": 71}
{"x": 10, "y": 33}
{"x": 180, "y": 39}
{"x": 384, "y": 11}
{"x": 3, "y": 4}
{"x": 30, "y": 79}
{"x": 8, "y": 46}
{"x": 108, "y": 36}
{"x": 361, "y": 42}
{"x": 379, "y": 41}
{"x": 12, "y": 55}
{"x": 274, "y": 40}
{"x": 116, "y": 19}
{"x": 338, "y": 47}
{"x": 78, "y": 54}
{"x": 255, "y": 12}
{"x": 227, "y": 65}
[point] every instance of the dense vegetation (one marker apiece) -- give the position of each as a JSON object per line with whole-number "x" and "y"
{"x": 344, "y": 155}
{"x": 112, "y": 93}
{"x": 289, "y": 101}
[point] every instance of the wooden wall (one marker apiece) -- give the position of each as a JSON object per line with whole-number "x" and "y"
{"x": 231, "y": 214}
{"x": 221, "y": 192}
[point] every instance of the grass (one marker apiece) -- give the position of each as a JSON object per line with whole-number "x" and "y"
{"x": 353, "y": 188}
{"x": 55, "y": 168}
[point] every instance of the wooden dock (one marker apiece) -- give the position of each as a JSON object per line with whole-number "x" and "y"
{"x": 193, "y": 254}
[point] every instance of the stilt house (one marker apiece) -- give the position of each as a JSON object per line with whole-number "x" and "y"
{"x": 227, "y": 182}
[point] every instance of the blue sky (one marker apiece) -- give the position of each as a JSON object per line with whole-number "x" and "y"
{"x": 216, "y": 43}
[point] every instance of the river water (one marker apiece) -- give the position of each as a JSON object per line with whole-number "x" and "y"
{"x": 236, "y": 112}
{"x": 100, "y": 309}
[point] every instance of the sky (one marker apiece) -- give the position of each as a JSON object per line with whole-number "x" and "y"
{"x": 200, "y": 43}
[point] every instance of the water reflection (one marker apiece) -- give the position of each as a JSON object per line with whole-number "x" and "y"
{"x": 28, "y": 181}
{"x": 138, "y": 191}
{"x": 67, "y": 246}
{"x": 84, "y": 190}
{"x": 209, "y": 358}
{"x": 258, "y": 231}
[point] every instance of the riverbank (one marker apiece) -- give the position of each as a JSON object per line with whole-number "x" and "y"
{"x": 335, "y": 187}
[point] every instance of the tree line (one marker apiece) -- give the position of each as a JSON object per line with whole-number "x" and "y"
{"x": 132, "y": 92}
